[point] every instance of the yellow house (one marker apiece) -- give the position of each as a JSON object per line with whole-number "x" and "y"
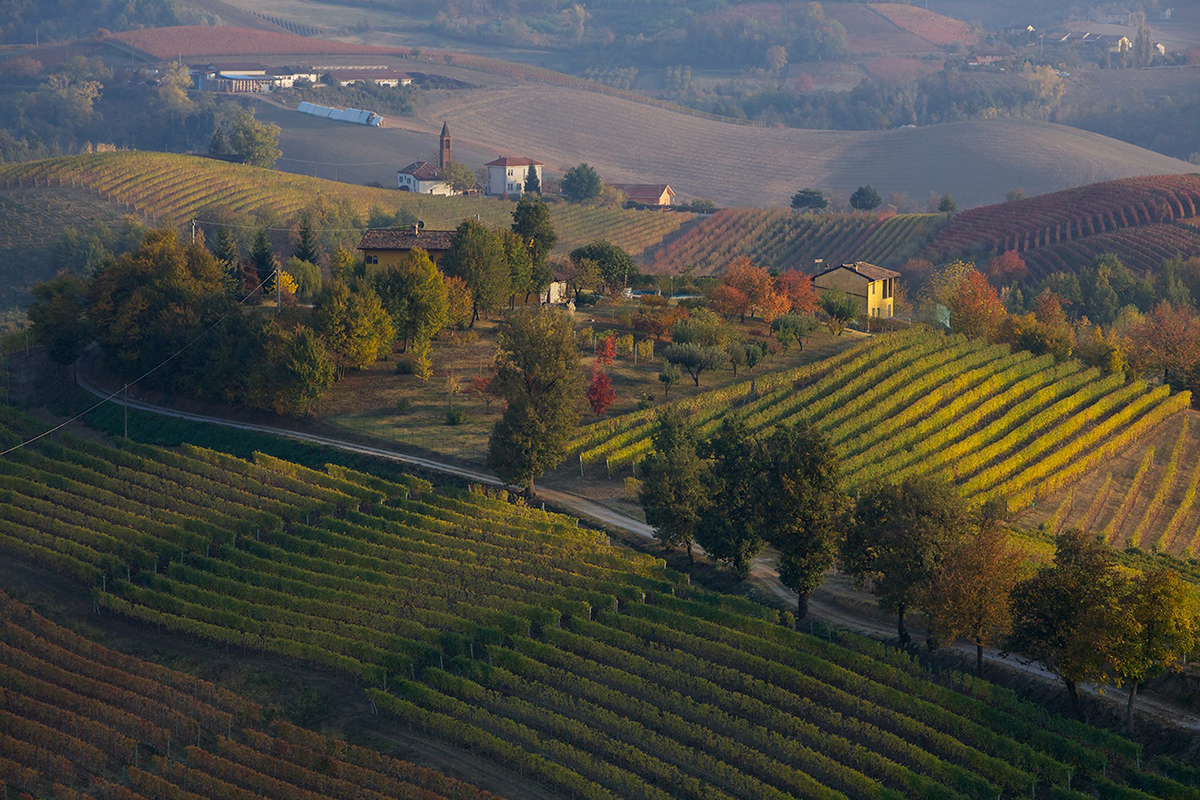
{"x": 388, "y": 248}
{"x": 874, "y": 287}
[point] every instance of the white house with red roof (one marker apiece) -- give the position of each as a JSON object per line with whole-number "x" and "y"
{"x": 423, "y": 178}
{"x": 506, "y": 175}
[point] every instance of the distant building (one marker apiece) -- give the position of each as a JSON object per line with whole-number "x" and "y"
{"x": 874, "y": 287}
{"x": 444, "y": 154}
{"x": 377, "y": 75}
{"x": 988, "y": 56}
{"x": 388, "y": 248}
{"x": 506, "y": 175}
{"x": 423, "y": 178}
{"x": 647, "y": 194}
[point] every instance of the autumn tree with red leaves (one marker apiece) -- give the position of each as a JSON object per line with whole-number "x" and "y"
{"x": 729, "y": 301}
{"x": 753, "y": 282}
{"x": 606, "y": 349}
{"x": 975, "y": 308}
{"x": 798, "y": 289}
{"x": 1007, "y": 267}
{"x": 1168, "y": 341}
{"x": 599, "y": 392}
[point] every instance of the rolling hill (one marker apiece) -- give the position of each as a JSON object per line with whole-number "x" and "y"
{"x": 520, "y": 637}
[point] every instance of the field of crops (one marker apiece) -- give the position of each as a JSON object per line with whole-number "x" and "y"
{"x": 80, "y": 720}
{"x": 1147, "y": 499}
{"x": 932, "y": 27}
{"x": 173, "y": 189}
{"x": 33, "y": 220}
{"x": 1068, "y": 216}
{"x": 1143, "y": 248}
{"x": 996, "y": 423}
{"x": 869, "y": 32}
{"x": 209, "y": 40}
{"x": 786, "y": 240}
{"x": 521, "y": 637}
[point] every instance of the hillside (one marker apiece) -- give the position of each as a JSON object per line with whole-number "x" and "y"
{"x": 516, "y": 635}
{"x": 977, "y": 162}
{"x": 174, "y": 189}
{"x": 76, "y": 713}
{"x": 995, "y": 422}
{"x": 784, "y": 240}
{"x": 1136, "y": 218}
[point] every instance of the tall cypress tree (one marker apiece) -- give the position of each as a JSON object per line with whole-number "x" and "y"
{"x": 306, "y": 247}
{"x": 262, "y": 258}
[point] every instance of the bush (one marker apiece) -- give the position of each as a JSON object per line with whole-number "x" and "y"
{"x": 456, "y": 416}
{"x": 403, "y": 405}
{"x": 405, "y": 366}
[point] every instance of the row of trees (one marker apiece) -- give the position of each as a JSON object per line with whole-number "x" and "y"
{"x": 916, "y": 545}
{"x": 1162, "y": 343}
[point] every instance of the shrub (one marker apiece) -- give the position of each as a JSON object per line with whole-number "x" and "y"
{"x": 456, "y": 416}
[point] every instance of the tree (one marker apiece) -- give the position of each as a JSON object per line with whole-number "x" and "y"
{"x": 262, "y": 259}
{"x": 306, "y": 244}
{"x": 695, "y": 358}
{"x": 581, "y": 183}
{"x": 865, "y": 199}
{"x": 307, "y": 277}
{"x": 606, "y": 348}
{"x": 969, "y": 595}
{"x": 1164, "y": 626}
{"x": 976, "y": 310}
{"x": 798, "y": 289}
{"x": 532, "y": 184}
{"x": 1007, "y": 267}
{"x": 150, "y": 304}
{"x": 1068, "y": 615}
{"x": 729, "y": 301}
{"x": 600, "y": 394}
{"x": 353, "y": 325}
{"x": 616, "y": 266}
{"x": 755, "y": 283}
{"x": 254, "y": 142}
{"x": 809, "y": 200}
{"x": 896, "y": 538}
{"x": 415, "y": 296}
{"x": 460, "y": 177}
{"x": 519, "y": 259}
{"x": 484, "y": 387}
{"x": 801, "y": 499}
{"x": 671, "y": 374}
{"x": 1168, "y": 341}
{"x": 218, "y": 145}
{"x": 477, "y": 256}
{"x": 793, "y": 328}
{"x": 703, "y": 328}
{"x": 59, "y": 317}
{"x": 840, "y": 310}
{"x": 227, "y": 251}
{"x": 581, "y": 274}
{"x": 537, "y": 372}
{"x": 294, "y": 373}
{"x": 673, "y": 492}
{"x": 731, "y": 531}
{"x": 458, "y": 302}
{"x": 531, "y": 221}
{"x": 947, "y": 205}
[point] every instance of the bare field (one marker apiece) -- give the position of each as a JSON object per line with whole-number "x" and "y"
{"x": 932, "y": 27}
{"x": 977, "y": 161}
{"x": 870, "y": 32}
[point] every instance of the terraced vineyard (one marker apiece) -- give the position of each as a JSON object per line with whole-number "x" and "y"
{"x": 1147, "y": 500}
{"x": 997, "y": 423}
{"x": 174, "y": 189}
{"x": 1144, "y": 249}
{"x": 1129, "y": 205}
{"x": 515, "y": 634}
{"x": 32, "y": 219}
{"x": 79, "y": 720}
{"x": 786, "y": 240}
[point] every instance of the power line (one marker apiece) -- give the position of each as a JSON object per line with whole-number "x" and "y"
{"x": 337, "y": 163}
{"x": 145, "y": 374}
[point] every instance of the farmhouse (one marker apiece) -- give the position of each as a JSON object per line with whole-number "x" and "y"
{"x": 380, "y": 76}
{"x": 388, "y": 248}
{"x": 875, "y": 287}
{"x": 647, "y": 194}
{"x": 423, "y": 178}
{"x": 506, "y": 175}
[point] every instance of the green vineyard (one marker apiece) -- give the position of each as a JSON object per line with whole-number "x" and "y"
{"x": 783, "y": 240}
{"x": 998, "y": 423}
{"x": 519, "y": 636}
{"x": 173, "y": 189}
{"x": 79, "y": 720}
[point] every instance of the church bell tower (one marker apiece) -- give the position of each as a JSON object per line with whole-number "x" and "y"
{"x": 444, "y": 151}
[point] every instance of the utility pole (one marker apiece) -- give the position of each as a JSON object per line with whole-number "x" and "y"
{"x": 127, "y": 411}
{"x": 278, "y": 290}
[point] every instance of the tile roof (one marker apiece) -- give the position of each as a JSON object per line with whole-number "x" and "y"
{"x": 422, "y": 171}
{"x": 383, "y": 239}
{"x": 510, "y": 161}
{"x": 868, "y": 271}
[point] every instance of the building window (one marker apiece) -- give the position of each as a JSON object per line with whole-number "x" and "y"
{"x": 872, "y": 287}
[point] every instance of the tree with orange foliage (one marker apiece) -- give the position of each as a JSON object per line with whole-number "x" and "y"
{"x": 729, "y": 301}
{"x": 1008, "y": 267}
{"x": 606, "y": 349}
{"x": 1168, "y": 340}
{"x": 798, "y": 289}
{"x": 774, "y": 305}
{"x": 975, "y": 308}
{"x": 754, "y": 282}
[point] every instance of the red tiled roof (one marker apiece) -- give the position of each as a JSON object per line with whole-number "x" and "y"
{"x": 868, "y": 271}
{"x": 422, "y": 171}
{"x": 379, "y": 239}
{"x": 510, "y": 161}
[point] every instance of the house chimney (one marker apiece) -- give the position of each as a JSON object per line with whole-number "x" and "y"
{"x": 416, "y": 229}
